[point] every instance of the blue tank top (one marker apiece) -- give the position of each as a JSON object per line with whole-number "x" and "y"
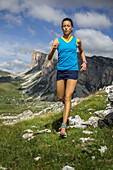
{"x": 67, "y": 54}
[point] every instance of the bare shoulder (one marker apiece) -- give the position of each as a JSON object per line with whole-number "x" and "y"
{"x": 55, "y": 40}
{"x": 78, "y": 42}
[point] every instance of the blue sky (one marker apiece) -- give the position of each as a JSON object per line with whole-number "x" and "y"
{"x": 27, "y": 25}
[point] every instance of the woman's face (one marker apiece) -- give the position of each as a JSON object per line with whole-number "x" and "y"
{"x": 67, "y": 27}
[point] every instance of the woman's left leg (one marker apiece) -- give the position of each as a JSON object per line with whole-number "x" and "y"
{"x": 70, "y": 87}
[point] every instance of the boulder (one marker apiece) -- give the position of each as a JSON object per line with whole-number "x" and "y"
{"x": 107, "y": 121}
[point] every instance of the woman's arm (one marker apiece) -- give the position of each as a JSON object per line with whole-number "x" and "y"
{"x": 53, "y": 49}
{"x": 79, "y": 44}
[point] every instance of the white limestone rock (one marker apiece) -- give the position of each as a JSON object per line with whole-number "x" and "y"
{"x": 68, "y": 168}
{"x": 28, "y": 130}
{"x": 78, "y": 126}
{"x": 86, "y": 139}
{"x": 43, "y": 131}
{"x": 37, "y": 158}
{"x": 75, "y": 120}
{"x": 27, "y": 135}
{"x": 92, "y": 121}
{"x": 87, "y": 132}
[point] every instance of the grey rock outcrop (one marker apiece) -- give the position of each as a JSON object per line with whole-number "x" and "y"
{"x": 103, "y": 117}
{"x": 40, "y": 78}
{"x": 99, "y": 73}
{"x": 37, "y": 61}
{"x": 108, "y": 112}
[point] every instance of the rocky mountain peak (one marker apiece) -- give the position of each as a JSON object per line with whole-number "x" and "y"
{"x": 41, "y": 76}
{"x": 37, "y": 59}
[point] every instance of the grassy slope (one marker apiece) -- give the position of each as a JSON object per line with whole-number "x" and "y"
{"x": 55, "y": 153}
{"x": 4, "y": 73}
{"x": 12, "y": 102}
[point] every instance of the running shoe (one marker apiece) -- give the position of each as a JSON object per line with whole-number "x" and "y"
{"x": 63, "y": 132}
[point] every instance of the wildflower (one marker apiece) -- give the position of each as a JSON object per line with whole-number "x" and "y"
{"x": 93, "y": 157}
{"x": 74, "y": 141}
{"x": 102, "y": 150}
{"x": 37, "y": 158}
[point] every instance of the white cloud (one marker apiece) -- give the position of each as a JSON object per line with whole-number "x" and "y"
{"x": 92, "y": 20}
{"x": 11, "y": 5}
{"x": 31, "y": 31}
{"x": 40, "y": 10}
{"x": 17, "y": 5}
{"x": 51, "y": 32}
{"x": 50, "y": 45}
{"x": 76, "y": 4}
{"x": 95, "y": 43}
{"x": 52, "y": 11}
{"x": 46, "y": 13}
{"x": 14, "y": 66}
{"x": 12, "y": 49}
{"x": 14, "y": 56}
{"x": 12, "y": 19}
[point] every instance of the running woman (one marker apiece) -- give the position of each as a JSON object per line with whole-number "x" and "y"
{"x": 67, "y": 67}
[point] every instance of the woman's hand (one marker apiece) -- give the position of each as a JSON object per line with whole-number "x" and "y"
{"x": 83, "y": 67}
{"x": 79, "y": 45}
{"x": 53, "y": 48}
{"x": 55, "y": 45}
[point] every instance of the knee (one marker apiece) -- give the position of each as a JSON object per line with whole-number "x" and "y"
{"x": 67, "y": 98}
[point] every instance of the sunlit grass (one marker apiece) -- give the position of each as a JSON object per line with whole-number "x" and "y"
{"x": 55, "y": 153}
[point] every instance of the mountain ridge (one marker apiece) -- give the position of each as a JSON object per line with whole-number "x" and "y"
{"x": 39, "y": 80}
{"x": 99, "y": 73}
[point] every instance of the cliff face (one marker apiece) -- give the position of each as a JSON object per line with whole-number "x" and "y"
{"x": 37, "y": 60}
{"x": 40, "y": 79}
{"x": 99, "y": 73}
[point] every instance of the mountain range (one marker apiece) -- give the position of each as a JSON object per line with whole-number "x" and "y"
{"x": 39, "y": 80}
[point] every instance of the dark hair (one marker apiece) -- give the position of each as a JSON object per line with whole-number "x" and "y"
{"x": 67, "y": 19}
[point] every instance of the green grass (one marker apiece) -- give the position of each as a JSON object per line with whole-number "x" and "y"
{"x": 12, "y": 102}
{"x": 4, "y": 73}
{"x": 9, "y": 95}
{"x": 17, "y": 153}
